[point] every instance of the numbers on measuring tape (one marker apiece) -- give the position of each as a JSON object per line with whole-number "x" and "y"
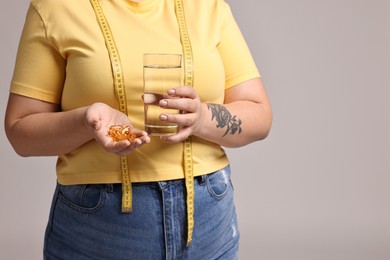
{"x": 188, "y": 81}
{"x": 120, "y": 92}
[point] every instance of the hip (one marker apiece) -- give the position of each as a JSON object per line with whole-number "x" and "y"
{"x": 88, "y": 219}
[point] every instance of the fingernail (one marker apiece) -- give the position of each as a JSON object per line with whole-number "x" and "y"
{"x": 171, "y": 91}
{"x": 163, "y": 103}
{"x": 163, "y": 117}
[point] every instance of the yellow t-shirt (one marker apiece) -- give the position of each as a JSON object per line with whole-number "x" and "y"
{"x": 63, "y": 59}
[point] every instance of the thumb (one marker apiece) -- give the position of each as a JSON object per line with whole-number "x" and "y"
{"x": 92, "y": 120}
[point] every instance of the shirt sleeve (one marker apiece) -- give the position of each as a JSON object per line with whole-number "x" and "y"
{"x": 238, "y": 61}
{"x": 39, "y": 69}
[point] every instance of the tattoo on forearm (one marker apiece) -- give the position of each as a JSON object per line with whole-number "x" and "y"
{"x": 225, "y": 119}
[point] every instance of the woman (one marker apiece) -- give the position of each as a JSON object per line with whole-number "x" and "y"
{"x": 64, "y": 99}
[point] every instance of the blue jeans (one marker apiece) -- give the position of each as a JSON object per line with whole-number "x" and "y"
{"x": 86, "y": 221}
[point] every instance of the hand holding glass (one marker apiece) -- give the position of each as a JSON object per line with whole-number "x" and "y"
{"x": 161, "y": 72}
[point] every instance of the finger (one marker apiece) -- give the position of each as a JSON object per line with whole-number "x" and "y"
{"x": 180, "y": 119}
{"x": 182, "y": 135}
{"x": 135, "y": 144}
{"x": 153, "y": 99}
{"x": 182, "y": 91}
{"x": 145, "y": 139}
{"x": 141, "y": 136}
{"x": 117, "y": 147}
{"x": 184, "y": 104}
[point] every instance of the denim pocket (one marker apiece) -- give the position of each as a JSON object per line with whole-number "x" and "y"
{"x": 86, "y": 198}
{"x": 218, "y": 183}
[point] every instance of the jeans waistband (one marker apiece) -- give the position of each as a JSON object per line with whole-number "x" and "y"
{"x": 200, "y": 180}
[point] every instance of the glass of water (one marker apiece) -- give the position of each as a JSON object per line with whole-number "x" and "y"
{"x": 161, "y": 72}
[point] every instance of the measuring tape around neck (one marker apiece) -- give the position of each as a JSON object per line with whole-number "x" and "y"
{"x": 119, "y": 85}
{"x": 121, "y": 96}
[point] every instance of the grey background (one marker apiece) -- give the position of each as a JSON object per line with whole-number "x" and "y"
{"x": 318, "y": 187}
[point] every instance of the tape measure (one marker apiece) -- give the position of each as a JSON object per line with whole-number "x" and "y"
{"x": 121, "y": 96}
{"x": 119, "y": 85}
{"x": 188, "y": 81}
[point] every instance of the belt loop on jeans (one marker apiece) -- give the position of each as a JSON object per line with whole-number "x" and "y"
{"x": 201, "y": 179}
{"x": 110, "y": 187}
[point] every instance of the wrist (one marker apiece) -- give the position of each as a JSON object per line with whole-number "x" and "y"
{"x": 87, "y": 124}
{"x": 201, "y": 128}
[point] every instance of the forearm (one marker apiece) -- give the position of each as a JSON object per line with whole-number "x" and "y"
{"x": 48, "y": 133}
{"x": 235, "y": 124}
